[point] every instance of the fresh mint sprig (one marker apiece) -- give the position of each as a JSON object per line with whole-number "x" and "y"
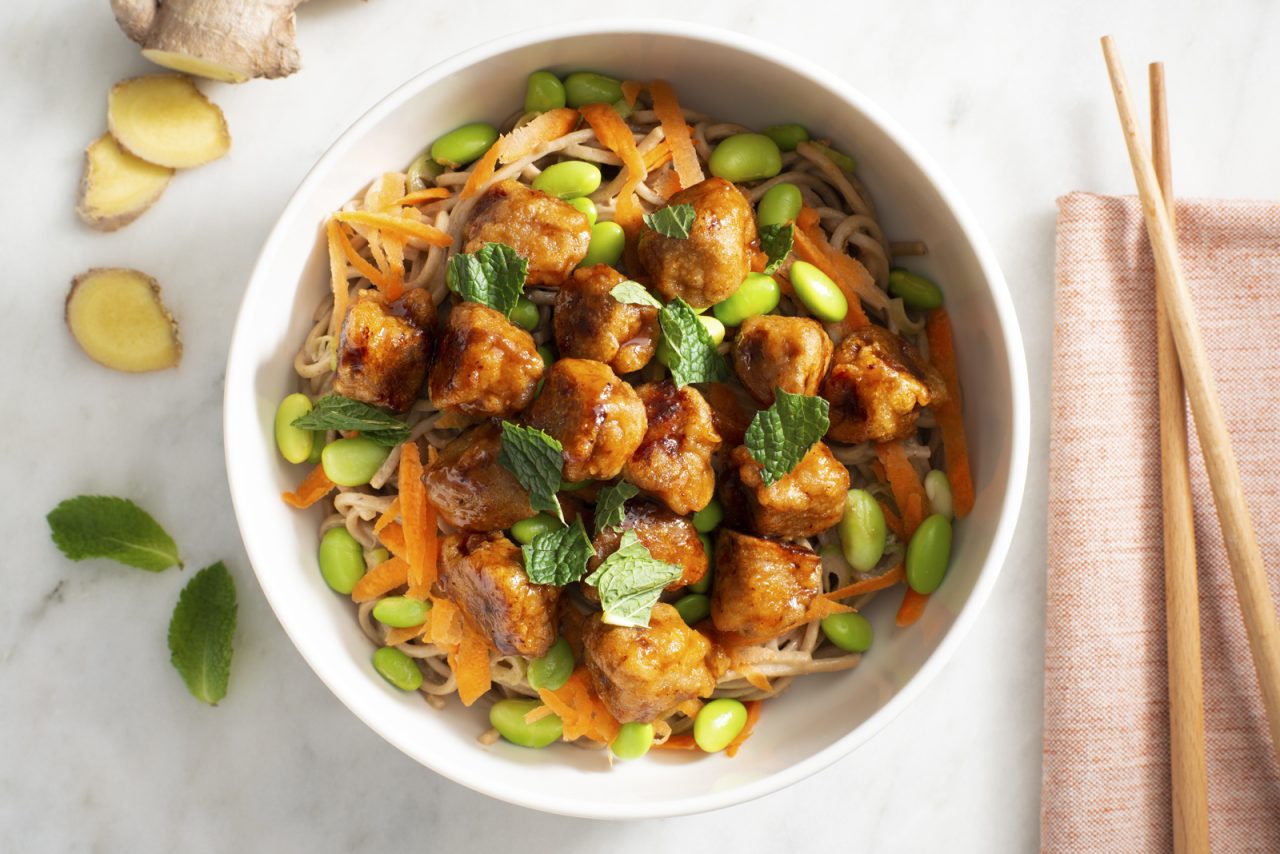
{"x": 493, "y": 275}
{"x": 536, "y": 460}
{"x": 780, "y": 436}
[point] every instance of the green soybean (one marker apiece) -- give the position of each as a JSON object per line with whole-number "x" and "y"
{"x": 295, "y": 443}
{"x": 703, "y": 584}
{"x": 632, "y": 741}
{"x": 916, "y": 291}
{"x": 525, "y": 314}
{"x": 552, "y": 670}
{"x": 745, "y": 157}
{"x": 714, "y": 328}
{"x": 587, "y": 87}
{"x": 758, "y": 294}
{"x": 507, "y": 717}
{"x": 607, "y": 241}
{"x": 708, "y": 517}
{"x": 548, "y": 355}
{"x": 587, "y": 206}
{"x": 377, "y": 556}
{"x": 693, "y": 608}
{"x": 781, "y": 203}
{"x": 341, "y": 560}
{"x": 719, "y": 723}
{"x": 352, "y": 462}
{"x": 862, "y": 530}
{"x": 568, "y": 179}
{"x": 401, "y": 612}
{"x": 543, "y": 92}
{"x": 818, "y": 293}
{"x": 397, "y": 668}
{"x": 787, "y": 136}
{"x": 421, "y": 171}
{"x": 844, "y": 161}
{"x": 928, "y": 553}
{"x": 938, "y": 489}
{"x": 526, "y": 530}
{"x": 463, "y": 145}
{"x": 851, "y": 632}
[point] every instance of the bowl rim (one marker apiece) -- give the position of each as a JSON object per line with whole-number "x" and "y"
{"x": 1009, "y": 330}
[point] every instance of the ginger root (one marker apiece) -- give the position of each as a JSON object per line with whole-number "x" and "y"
{"x": 227, "y": 40}
{"x": 116, "y": 316}
{"x": 117, "y": 187}
{"x": 166, "y": 120}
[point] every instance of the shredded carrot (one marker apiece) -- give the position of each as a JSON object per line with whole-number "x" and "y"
{"x": 482, "y": 171}
{"x": 753, "y": 716}
{"x": 950, "y": 417}
{"x": 446, "y": 622}
{"x": 362, "y": 266}
{"x": 868, "y": 585}
{"x": 395, "y": 637}
{"x": 392, "y": 536}
{"x": 581, "y": 711}
{"x": 678, "y": 742}
{"x": 522, "y": 141}
{"x": 397, "y": 225}
{"x": 908, "y": 491}
{"x": 383, "y": 578}
{"x": 614, "y": 134}
{"x": 892, "y": 520}
{"x": 822, "y": 607}
{"x": 667, "y": 184}
{"x": 315, "y": 485}
{"x": 337, "y": 277}
{"x": 676, "y": 132}
{"x": 388, "y": 516}
{"x": 394, "y": 249}
{"x": 657, "y": 156}
{"x": 430, "y": 194}
{"x": 419, "y": 518}
{"x": 850, "y": 276}
{"x": 631, "y": 90}
{"x": 537, "y": 713}
{"x": 911, "y": 608}
{"x": 754, "y": 678}
{"x": 470, "y": 665}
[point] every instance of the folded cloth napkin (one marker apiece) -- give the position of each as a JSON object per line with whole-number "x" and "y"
{"x": 1106, "y": 745}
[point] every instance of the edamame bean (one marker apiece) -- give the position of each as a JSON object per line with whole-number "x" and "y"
{"x": 341, "y": 560}
{"x": 397, "y": 668}
{"x": 862, "y": 530}
{"x": 526, "y": 530}
{"x": 607, "y": 241}
{"x": 632, "y": 741}
{"x": 548, "y": 355}
{"x": 745, "y": 157}
{"x": 708, "y": 517}
{"x": 916, "y": 291}
{"x": 758, "y": 294}
{"x": 295, "y": 443}
{"x": 463, "y": 145}
{"x": 693, "y": 608}
{"x": 938, "y": 489}
{"x": 507, "y": 717}
{"x": 552, "y": 670}
{"x": 781, "y": 203}
{"x": 844, "y": 161}
{"x": 587, "y": 206}
{"x": 719, "y": 723}
{"x": 420, "y": 171}
{"x": 623, "y": 109}
{"x": 851, "y": 632}
{"x": 401, "y": 612}
{"x": 928, "y": 553}
{"x": 787, "y": 136}
{"x": 703, "y": 584}
{"x": 568, "y": 179}
{"x": 352, "y": 462}
{"x": 587, "y": 87}
{"x": 543, "y": 92}
{"x": 377, "y": 556}
{"x": 525, "y": 314}
{"x": 818, "y": 293}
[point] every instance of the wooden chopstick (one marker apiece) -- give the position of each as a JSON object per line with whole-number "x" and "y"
{"x": 1252, "y": 587}
{"x": 1181, "y": 593}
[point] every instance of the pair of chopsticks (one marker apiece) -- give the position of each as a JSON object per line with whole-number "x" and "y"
{"x": 1182, "y": 357}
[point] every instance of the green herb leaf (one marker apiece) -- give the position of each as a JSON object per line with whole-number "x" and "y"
{"x": 634, "y": 293}
{"x": 335, "y": 412}
{"x": 610, "y": 505}
{"x": 693, "y": 355}
{"x": 776, "y": 241}
{"x": 493, "y": 276}
{"x": 672, "y": 221}
{"x": 781, "y": 435}
{"x": 630, "y": 581}
{"x": 89, "y": 526}
{"x": 558, "y": 557}
{"x": 200, "y": 633}
{"x": 536, "y": 460}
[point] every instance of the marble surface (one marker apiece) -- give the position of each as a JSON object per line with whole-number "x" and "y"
{"x": 102, "y": 748}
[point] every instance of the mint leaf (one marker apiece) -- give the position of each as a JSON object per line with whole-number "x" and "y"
{"x": 335, "y": 412}
{"x": 493, "y": 276}
{"x": 776, "y": 241}
{"x": 693, "y": 357}
{"x": 671, "y": 221}
{"x": 781, "y": 435}
{"x": 558, "y": 557}
{"x": 200, "y": 632}
{"x": 89, "y": 526}
{"x": 536, "y": 460}
{"x": 630, "y": 581}
{"x": 634, "y": 293}
{"x": 611, "y": 505}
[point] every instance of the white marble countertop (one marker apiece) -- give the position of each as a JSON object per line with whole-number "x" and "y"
{"x": 103, "y": 749}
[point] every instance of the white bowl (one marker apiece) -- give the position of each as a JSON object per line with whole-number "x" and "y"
{"x": 822, "y": 717}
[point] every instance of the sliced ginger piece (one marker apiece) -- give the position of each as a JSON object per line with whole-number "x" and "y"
{"x": 117, "y": 318}
{"x": 117, "y": 187}
{"x": 166, "y": 120}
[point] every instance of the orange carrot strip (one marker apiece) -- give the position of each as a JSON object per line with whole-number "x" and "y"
{"x": 382, "y": 579}
{"x": 315, "y": 485}
{"x": 430, "y": 194}
{"x": 656, "y": 156}
{"x": 397, "y": 225}
{"x": 414, "y": 509}
{"x": 678, "y": 742}
{"x": 446, "y": 622}
{"x": 581, "y": 712}
{"x": 482, "y": 171}
{"x": 395, "y": 637}
{"x": 822, "y": 607}
{"x": 908, "y": 491}
{"x": 676, "y": 132}
{"x": 950, "y": 417}
{"x": 422, "y": 594}
{"x": 753, "y": 716}
{"x": 392, "y": 536}
{"x": 868, "y": 585}
{"x": 394, "y": 249}
{"x": 911, "y": 608}
{"x": 522, "y": 141}
{"x": 892, "y": 520}
{"x": 337, "y": 277}
{"x": 667, "y": 184}
{"x": 614, "y": 134}
{"x": 848, "y": 274}
{"x": 631, "y": 90}
{"x": 755, "y": 678}
{"x": 388, "y": 516}
{"x": 362, "y": 266}
{"x": 470, "y": 665}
